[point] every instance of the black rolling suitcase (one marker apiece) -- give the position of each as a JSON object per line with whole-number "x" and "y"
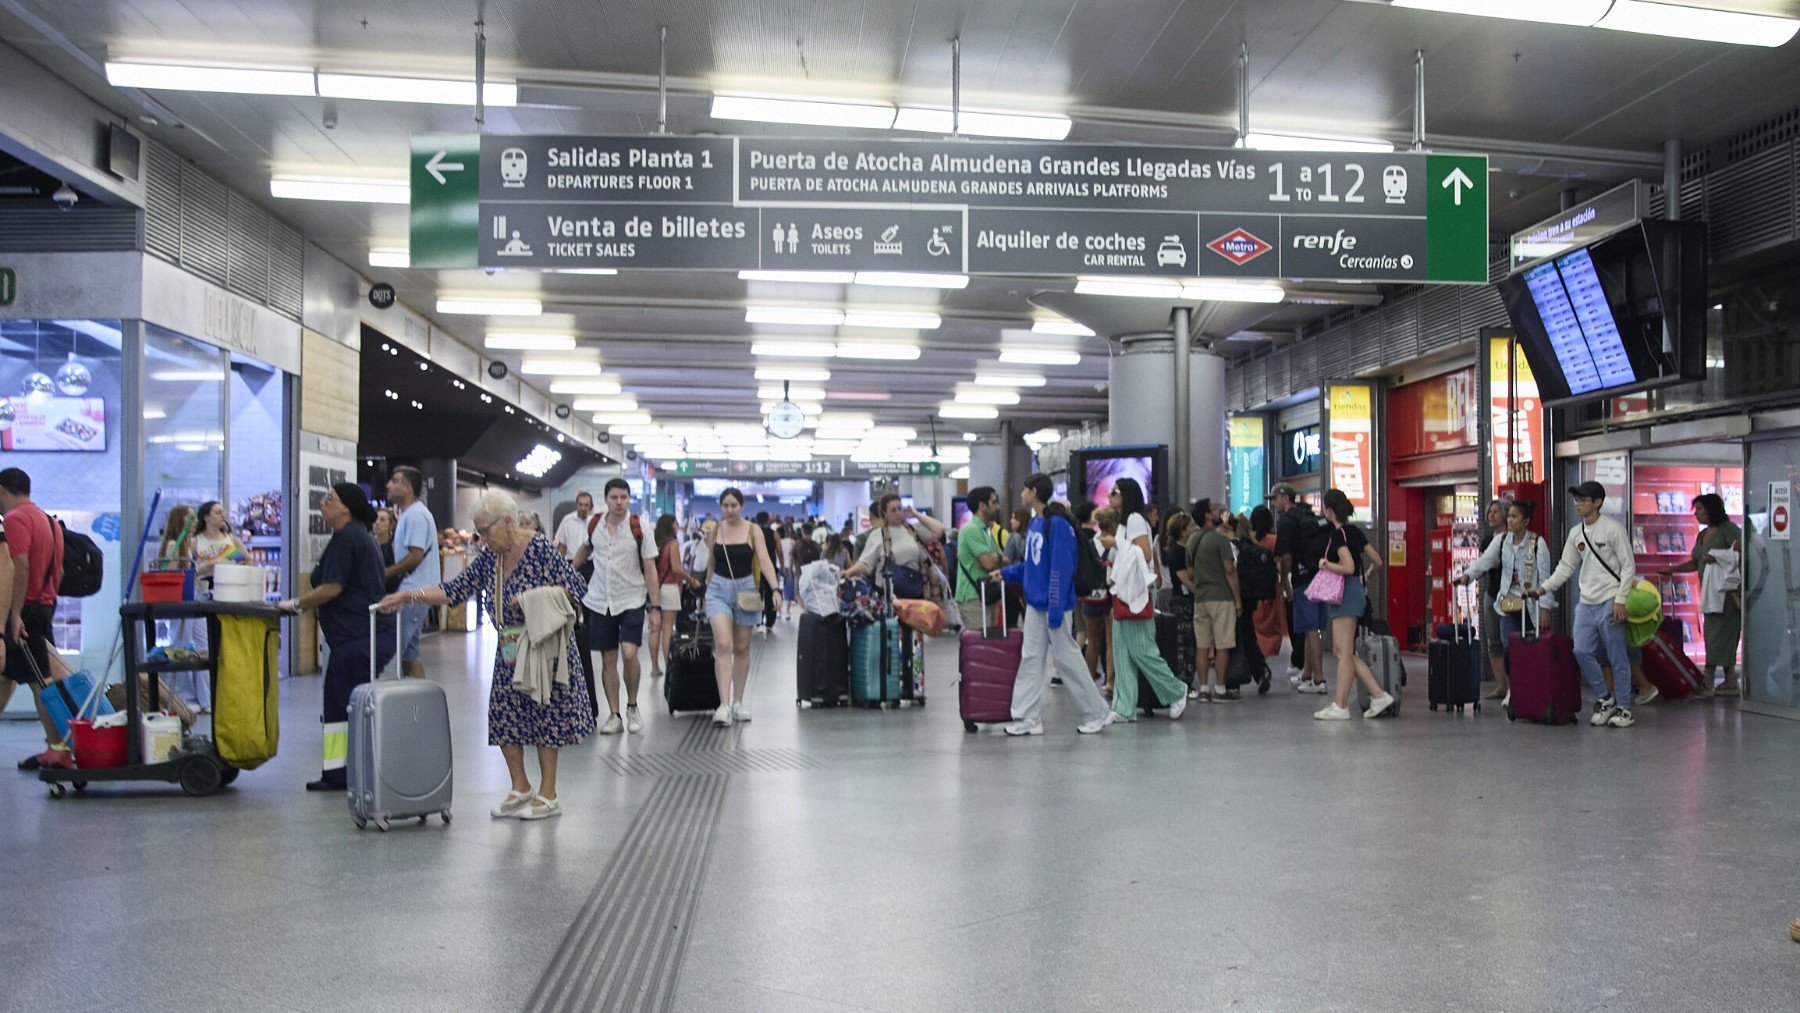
{"x": 822, "y": 661}
{"x": 689, "y": 684}
{"x": 1453, "y": 672}
{"x": 1247, "y": 662}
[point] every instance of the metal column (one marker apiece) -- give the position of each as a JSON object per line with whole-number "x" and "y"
{"x": 1180, "y": 328}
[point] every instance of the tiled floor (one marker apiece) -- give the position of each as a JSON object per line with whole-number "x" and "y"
{"x": 1243, "y": 858}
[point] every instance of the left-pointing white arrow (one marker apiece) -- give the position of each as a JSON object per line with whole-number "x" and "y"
{"x": 1456, "y": 182}
{"x": 437, "y": 167}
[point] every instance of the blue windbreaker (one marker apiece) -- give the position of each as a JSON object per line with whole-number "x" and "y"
{"x": 1048, "y": 569}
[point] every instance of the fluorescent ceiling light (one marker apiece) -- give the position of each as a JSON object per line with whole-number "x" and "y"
{"x": 952, "y": 410}
{"x": 972, "y": 437}
{"x": 605, "y": 404}
{"x": 1551, "y": 12}
{"x": 803, "y": 277}
{"x": 236, "y": 80}
{"x": 559, "y": 367}
{"x": 496, "y": 94}
{"x": 390, "y": 256}
{"x": 1261, "y": 141}
{"x": 984, "y": 123}
{"x": 801, "y": 374}
{"x": 778, "y": 109}
{"x": 494, "y": 306}
{"x": 912, "y": 279}
{"x": 953, "y": 455}
{"x": 529, "y": 341}
{"x": 775, "y": 392}
{"x": 901, "y": 433}
{"x": 1226, "y": 291}
{"x": 351, "y": 189}
{"x": 1065, "y": 327}
{"x": 892, "y": 350}
{"x": 1008, "y": 380}
{"x": 807, "y": 408}
{"x": 1135, "y": 288}
{"x": 622, "y": 419}
{"x": 974, "y": 395}
{"x": 1705, "y": 25}
{"x": 892, "y": 318}
{"x": 861, "y": 420}
{"x": 1022, "y": 355}
{"x": 597, "y": 387}
{"x": 1044, "y": 436}
{"x": 833, "y": 448}
{"x": 959, "y": 475}
{"x": 839, "y": 434}
{"x": 859, "y": 395}
{"x": 794, "y": 349}
{"x": 801, "y": 316}
{"x": 539, "y": 462}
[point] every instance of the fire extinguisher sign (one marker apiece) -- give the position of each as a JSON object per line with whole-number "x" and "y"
{"x": 1781, "y": 510}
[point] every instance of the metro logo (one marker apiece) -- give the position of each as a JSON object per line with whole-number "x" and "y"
{"x": 1239, "y": 247}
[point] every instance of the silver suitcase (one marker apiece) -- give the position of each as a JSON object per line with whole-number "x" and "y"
{"x": 1382, "y": 655}
{"x": 398, "y": 765}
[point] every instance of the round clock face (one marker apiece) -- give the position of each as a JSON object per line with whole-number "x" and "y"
{"x": 786, "y": 420}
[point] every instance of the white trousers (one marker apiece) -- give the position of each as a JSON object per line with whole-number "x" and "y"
{"x": 1045, "y": 647}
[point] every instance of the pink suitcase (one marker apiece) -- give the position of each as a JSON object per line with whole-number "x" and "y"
{"x": 989, "y": 661}
{"x": 1667, "y": 666}
{"x": 1546, "y": 681}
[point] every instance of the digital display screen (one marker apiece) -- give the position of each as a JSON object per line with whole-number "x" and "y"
{"x": 959, "y": 511}
{"x": 1104, "y": 472}
{"x": 1564, "y": 330}
{"x": 1589, "y": 300}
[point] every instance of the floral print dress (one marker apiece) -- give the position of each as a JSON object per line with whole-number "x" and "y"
{"x": 515, "y": 719}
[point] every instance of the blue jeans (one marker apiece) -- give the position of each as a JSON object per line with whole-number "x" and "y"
{"x": 1595, "y": 632}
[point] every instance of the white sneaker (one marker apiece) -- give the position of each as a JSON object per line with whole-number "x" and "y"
{"x": 1378, "y": 705}
{"x": 722, "y": 716}
{"x": 1649, "y": 697}
{"x": 1095, "y": 726}
{"x": 740, "y": 711}
{"x": 1115, "y": 718}
{"x": 1294, "y": 677}
{"x": 1621, "y": 718}
{"x": 1193, "y": 694}
{"x": 1031, "y": 727}
{"x": 1178, "y": 708}
{"x": 613, "y": 726}
{"x": 634, "y": 722}
{"x": 1312, "y": 688}
{"x": 1603, "y": 712}
{"x": 1332, "y": 712}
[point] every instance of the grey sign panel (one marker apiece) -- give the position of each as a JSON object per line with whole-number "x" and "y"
{"x": 1353, "y": 249}
{"x": 617, "y": 235}
{"x": 861, "y": 239}
{"x": 1582, "y": 224}
{"x": 1081, "y": 242}
{"x": 1078, "y": 176}
{"x": 638, "y": 170}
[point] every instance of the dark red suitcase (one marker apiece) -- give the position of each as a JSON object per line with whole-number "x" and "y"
{"x": 988, "y": 659}
{"x": 1545, "y": 680}
{"x": 1668, "y": 667}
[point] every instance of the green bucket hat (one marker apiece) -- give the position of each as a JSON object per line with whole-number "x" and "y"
{"x": 1643, "y": 613}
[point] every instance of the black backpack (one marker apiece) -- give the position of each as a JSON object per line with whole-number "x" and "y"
{"x": 1090, "y": 572}
{"x": 1314, "y": 540}
{"x": 1257, "y": 576}
{"x": 84, "y": 568}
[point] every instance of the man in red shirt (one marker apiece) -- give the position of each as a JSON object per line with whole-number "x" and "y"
{"x": 34, "y": 542}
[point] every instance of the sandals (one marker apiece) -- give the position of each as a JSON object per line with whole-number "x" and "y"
{"x": 1794, "y": 930}
{"x": 510, "y": 806}
{"x": 541, "y": 809}
{"x": 1728, "y": 691}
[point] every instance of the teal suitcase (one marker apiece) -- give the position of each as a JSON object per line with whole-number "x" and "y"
{"x": 871, "y": 682}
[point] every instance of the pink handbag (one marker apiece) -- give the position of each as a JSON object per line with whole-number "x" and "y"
{"x": 1326, "y": 588}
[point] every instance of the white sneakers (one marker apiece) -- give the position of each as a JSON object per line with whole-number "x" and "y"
{"x": 634, "y": 722}
{"x": 740, "y": 711}
{"x": 1378, "y": 705}
{"x": 722, "y": 716}
{"x": 1095, "y": 726}
{"x": 1603, "y": 712}
{"x": 1312, "y": 688}
{"x": 1332, "y": 712}
{"x": 1178, "y": 708}
{"x": 613, "y": 726}
{"x": 1029, "y": 727}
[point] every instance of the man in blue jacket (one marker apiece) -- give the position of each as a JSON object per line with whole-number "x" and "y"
{"x": 1048, "y": 575}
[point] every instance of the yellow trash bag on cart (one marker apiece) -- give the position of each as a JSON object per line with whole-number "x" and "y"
{"x": 246, "y": 720}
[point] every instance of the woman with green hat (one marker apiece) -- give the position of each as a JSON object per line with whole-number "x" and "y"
{"x": 1718, "y": 548}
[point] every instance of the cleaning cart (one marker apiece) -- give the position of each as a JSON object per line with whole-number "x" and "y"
{"x": 244, "y": 640}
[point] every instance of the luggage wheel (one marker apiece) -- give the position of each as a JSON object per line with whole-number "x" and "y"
{"x": 360, "y": 822}
{"x": 445, "y": 816}
{"x": 57, "y": 789}
{"x": 969, "y": 726}
{"x": 421, "y": 820}
{"x": 80, "y": 785}
{"x": 1434, "y": 707}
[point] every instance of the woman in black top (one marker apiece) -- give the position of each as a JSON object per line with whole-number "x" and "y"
{"x": 1344, "y": 555}
{"x": 346, "y": 581}
{"x": 1174, "y": 554}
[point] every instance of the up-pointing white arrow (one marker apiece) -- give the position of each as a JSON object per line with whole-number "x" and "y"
{"x": 1456, "y": 182}
{"x": 437, "y": 167}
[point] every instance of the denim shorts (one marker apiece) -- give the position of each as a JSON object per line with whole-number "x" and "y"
{"x": 412, "y": 626}
{"x": 1355, "y": 600}
{"x": 1309, "y": 615}
{"x": 721, "y": 599}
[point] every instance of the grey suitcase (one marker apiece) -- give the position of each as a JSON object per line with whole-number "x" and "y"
{"x": 1382, "y": 655}
{"x": 398, "y": 764}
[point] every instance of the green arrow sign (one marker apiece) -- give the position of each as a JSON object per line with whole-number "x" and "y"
{"x": 1456, "y": 207}
{"x": 684, "y": 466}
{"x": 445, "y": 185}
{"x": 930, "y": 468}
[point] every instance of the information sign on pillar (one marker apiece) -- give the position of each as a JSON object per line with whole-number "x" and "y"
{"x": 1781, "y": 511}
{"x": 1247, "y": 440}
{"x": 1350, "y": 444}
{"x": 1516, "y": 417}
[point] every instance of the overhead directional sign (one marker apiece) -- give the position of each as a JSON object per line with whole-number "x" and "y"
{"x": 722, "y": 203}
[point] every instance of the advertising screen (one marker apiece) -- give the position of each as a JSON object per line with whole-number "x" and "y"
{"x": 1100, "y": 473}
{"x": 53, "y": 423}
{"x": 959, "y": 511}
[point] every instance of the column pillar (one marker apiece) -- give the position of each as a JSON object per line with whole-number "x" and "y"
{"x": 1141, "y": 403}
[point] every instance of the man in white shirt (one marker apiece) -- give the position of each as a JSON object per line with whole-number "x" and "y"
{"x": 1601, "y": 548}
{"x": 572, "y": 533}
{"x": 622, "y": 588}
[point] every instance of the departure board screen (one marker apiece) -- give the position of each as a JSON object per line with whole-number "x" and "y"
{"x": 1563, "y": 329}
{"x": 1597, "y": 321}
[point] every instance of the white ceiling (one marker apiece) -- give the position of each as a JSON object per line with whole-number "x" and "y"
{"x": 1558, "y": 107}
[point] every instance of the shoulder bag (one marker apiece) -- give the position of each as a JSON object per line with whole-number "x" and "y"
{"x": 745, "y": 601}
{"x": 1513, "y": 604}
{"x": 903, "y": 581}
{"x": 1327, "y": 586}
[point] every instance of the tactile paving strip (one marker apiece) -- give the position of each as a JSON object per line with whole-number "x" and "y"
{"x": 624, "y": 949}
{"x": 717, "y": 760}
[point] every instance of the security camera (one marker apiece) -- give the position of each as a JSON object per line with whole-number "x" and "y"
{"x": 65, "y": 196}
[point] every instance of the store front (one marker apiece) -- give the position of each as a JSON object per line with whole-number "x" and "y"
{"x": 132, "y": 390}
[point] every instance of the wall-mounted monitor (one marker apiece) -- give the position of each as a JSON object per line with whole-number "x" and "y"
{"x": 1627, "y": 313}
{"x": 1094, "y": 470}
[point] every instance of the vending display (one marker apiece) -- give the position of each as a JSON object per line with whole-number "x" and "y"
{"x": 1455, "y": 544}
{"x": 1663, "y": 531}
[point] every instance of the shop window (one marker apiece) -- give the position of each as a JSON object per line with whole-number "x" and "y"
{"x": 184, "y": 424}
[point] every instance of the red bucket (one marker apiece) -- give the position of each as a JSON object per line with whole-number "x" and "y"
{"x": 97, "y": 747}
{"x": 162, "y": 585}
